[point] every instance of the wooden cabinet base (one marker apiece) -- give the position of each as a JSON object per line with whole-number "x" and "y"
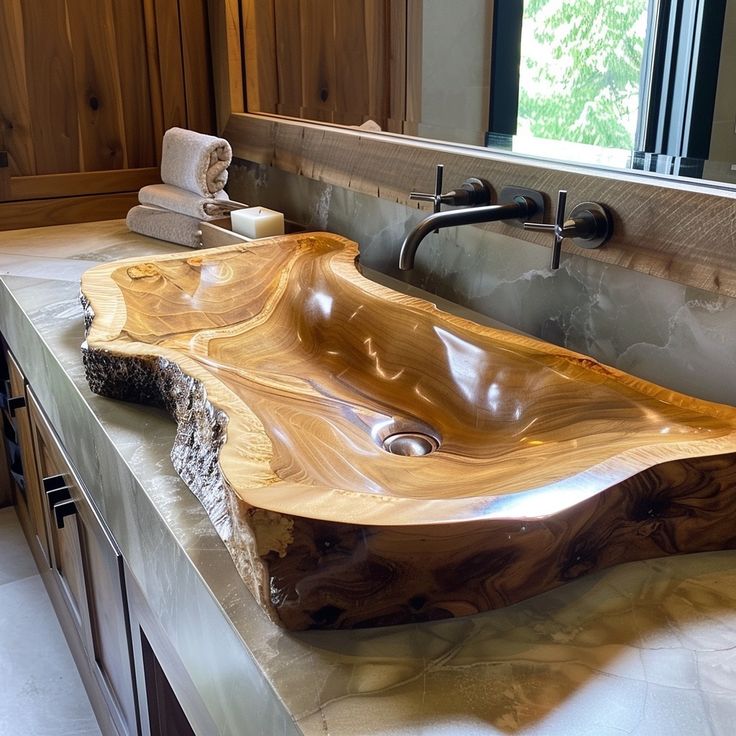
{"x": 133, "y": 679}
{"x": 71, "y": 634}
{"x": 84, "y": 577}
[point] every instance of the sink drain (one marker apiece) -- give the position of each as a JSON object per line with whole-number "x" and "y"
{"x": 410, "y": 444}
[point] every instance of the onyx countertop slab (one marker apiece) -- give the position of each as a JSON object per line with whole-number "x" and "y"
{"x": 646, "y": 648}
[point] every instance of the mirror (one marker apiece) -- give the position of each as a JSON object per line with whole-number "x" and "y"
{"x": 639, "y": 84}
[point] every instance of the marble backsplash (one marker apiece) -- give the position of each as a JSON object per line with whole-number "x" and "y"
{"x": 674, "y": 335}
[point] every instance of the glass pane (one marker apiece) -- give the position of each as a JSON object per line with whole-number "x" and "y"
{"x": 581, "y": 65}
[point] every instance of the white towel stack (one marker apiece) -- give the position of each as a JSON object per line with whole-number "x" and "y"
{"x": 194, "y": 172}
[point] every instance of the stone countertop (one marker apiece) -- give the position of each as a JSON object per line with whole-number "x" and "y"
{"x": 644, "y": 648}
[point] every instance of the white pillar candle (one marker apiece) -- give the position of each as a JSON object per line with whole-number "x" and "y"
{"x": 257, "y": 222}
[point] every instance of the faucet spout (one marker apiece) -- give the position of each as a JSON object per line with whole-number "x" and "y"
{"x": 522, "y": 207}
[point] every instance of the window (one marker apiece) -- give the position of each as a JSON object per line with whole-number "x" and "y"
{"x": 629, "y": 83}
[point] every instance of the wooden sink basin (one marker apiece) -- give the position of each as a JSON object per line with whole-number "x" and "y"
{"x": 369, "y": 459}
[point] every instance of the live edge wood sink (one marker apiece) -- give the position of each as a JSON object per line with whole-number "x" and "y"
{"x": 289, "y": 374}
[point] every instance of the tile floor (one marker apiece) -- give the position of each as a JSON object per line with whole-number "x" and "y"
{"x": 41, "y": 693}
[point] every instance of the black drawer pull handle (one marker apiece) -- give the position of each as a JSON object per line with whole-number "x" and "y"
{"x": 57, "y": 495}
{"x": 62, "y": 510}
{"x": 15, "y": 403}
{"x": 50, "y": 482}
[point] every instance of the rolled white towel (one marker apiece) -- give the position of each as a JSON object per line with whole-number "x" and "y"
{"x": 195, "y": 161}
{"x": 164, "y": 225}
{"x": 179, "y": 200}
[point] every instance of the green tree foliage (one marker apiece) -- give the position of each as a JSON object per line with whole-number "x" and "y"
{"x": 580, "y": 71}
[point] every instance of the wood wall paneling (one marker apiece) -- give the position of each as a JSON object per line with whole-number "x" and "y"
{"x": 326, "y": 60}
{"x": 15, "y": 114}
{"x": 88, "y": 88}
{"x": 65, "y": 210}
{"x": 137, "y": 102}
{"x": 350, "y": 95}
{"x": 288, "y": 57}
{"x": 319, "y": 88}
{"x": 88, "y": 196}
{"x": 227, "y": 59}
{"x": 377, "y": 16}
{"x": 197, "y": 67}
{"x": 4, "y": 173}
{"x": 51, "y": 87}
{"x": 96, "y": 78}
{"x": 154, "y": 76}
{"x": 259, "y": 39}
{"x": 171, "y": 63}
{"x": 397, "y": 65}
{"x": 81, "y": 183}
{"x": 362, "y": 62}
{"x": 413, "y": 85}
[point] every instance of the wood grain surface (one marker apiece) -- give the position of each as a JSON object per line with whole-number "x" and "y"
{"x": 548, "y": 464}
{"x": 4, "y": 174}
{"x": 65, "y": 210}
{"x": 50, "y": 86}
{"x": 196, "y": 54}
{"x": 227, "y": 59}
{"x": 15, "y": 113}
{"x": 97, "y": 85}
{"x": 136, "y": 100}
{"x": 89, "y": 88}
{"x": 171, "y": 63}
{"x": 79, "y": 183}
{"x": 289, "y": 57}
{"x": 326, "y": 60}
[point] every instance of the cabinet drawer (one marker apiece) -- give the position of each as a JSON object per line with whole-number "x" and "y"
{"x": 89, "y": 569}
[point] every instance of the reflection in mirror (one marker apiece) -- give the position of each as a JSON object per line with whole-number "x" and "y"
{"x": 580, "y": 71}
{"x": 634, "y": 82}
{"x": 642, "y": 84}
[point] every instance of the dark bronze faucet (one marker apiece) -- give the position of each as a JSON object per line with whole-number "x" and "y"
{"x": 475, "y": 194}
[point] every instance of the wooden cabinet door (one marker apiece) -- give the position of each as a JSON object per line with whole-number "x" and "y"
{"x": 34, "y": 511}
{"x": 110, "y": 645}
{"x": 13, "y": 488}
{"x": 89, "y": 568}
{"x": 8, "y": 437}
{"x": 6, "y": 482}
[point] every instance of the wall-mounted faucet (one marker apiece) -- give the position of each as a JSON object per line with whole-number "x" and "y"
{"x": 589, "y": 226}
{"x": 475, "y": 195}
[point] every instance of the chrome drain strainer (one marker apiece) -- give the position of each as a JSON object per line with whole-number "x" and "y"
{"x": 410, "y": 444}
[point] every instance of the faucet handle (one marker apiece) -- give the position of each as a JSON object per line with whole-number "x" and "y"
{"x": 557, "y": 229}
{"x": 473, "y": 192}
{"x": 589, "y": 226}
{"x": 436, "y": 197}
